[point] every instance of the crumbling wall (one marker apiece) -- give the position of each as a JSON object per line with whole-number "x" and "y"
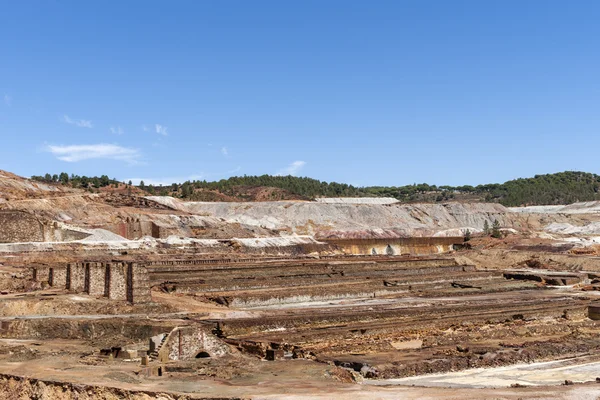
{"x": 20, "y": 226}
{"x": 114, "y": 280}
{"x": 133, "y": 229}
{"x": 187, "y": 343}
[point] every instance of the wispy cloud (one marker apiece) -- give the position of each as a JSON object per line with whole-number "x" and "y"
{"x": 81, "y": 152}
{"x": 145, "y": 128}
{"x": 161, "y": 130}
{"x": 165, "y": 181}
{"x": 7, "y": 100}
{"x": 117, "y": 130}
{"x": 224, "y": 151}
{"x": 82, "y": 123}
{"x": 291, "y": 169}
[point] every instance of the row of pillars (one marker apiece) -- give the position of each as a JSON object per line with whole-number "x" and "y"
{"x": 116, "y": 281}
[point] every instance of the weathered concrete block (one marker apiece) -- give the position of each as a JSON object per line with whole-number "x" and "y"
{"x": 273, "y": 354}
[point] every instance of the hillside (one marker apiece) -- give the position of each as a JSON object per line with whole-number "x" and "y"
{"x": 550, "y": 189}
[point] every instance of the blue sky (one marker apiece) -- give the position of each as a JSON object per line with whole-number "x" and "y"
{"x": 363, "y": 92}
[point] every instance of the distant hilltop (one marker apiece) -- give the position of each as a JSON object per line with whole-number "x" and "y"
{"x": 550, "y": 189}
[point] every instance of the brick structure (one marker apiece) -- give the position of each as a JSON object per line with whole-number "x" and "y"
{"x": 115, "y": 280}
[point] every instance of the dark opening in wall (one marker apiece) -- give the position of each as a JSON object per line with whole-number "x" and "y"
{"x": 86, "y": 278}
{"x": 389, "y": 251}
{"x": 107, "y": 280}
{"x": 373, "y": 251}
{"x": 51, "y": 276}
{"x": 68, "y": 284}
{"x": 129, "y": 285}
{"x": 202, "y": 354}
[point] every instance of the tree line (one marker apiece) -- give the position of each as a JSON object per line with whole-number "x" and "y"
{"x": 76, "y": 181}
{"x": 559, "y": 188}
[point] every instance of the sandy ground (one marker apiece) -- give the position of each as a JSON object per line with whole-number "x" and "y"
{"x": 299, "y": 379}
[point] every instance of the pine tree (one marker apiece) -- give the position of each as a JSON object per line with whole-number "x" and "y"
{"x": 496, "y": 230}
{"x": 486, "y": 227}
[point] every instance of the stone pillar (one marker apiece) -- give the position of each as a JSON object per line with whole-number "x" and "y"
{"x": 59, "y": 277}
{"x": 118, "y": 285}
{"x": 77, "y": 277}
{"x": 138, "y": 285}
{"x": 97, "y": 273}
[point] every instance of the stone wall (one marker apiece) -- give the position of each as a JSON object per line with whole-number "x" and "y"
{"x": 20, "y": 226}
{"x": 115, "y": 280}
{"x": 135, "y": 229}
{"x": 414, "y": 246}
{"x": 187, "y": 343}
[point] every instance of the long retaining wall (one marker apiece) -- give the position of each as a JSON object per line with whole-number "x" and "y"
{"x": 126, "y": 281}
{"x": 398, "y": 246}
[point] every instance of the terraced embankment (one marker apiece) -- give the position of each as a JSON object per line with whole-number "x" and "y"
{"x": 388, "y": 317}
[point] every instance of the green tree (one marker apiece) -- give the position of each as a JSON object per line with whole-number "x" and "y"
{"x": 64, "y": 178}
{"x": 467, "y": 235}
{"x": 486, "y": 228}
{"x": 496, "y": 229}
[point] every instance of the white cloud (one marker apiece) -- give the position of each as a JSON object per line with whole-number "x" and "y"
{"x": 117, "y": 130}
{"x": 145, "y": 128}
{"x": 224, "y": 151}
{"x": 80, "y": 152}
{"x": 168, "y": 181}
{"x": 82, "y": 123}
{"x": 291, "y": 169}
{"x": 161, "y": 130}
{"x": 7, "y": 100}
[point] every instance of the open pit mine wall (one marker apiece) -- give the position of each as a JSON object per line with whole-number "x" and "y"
{"x": 21, "y": 226}
{"x": 312, "y": 218}
{"x": 414, "y": 246}
{"x": 124, "y": 281}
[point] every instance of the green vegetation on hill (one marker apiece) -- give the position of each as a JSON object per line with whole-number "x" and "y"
{"x": 560, "y": 188}
{"x": 306, "y": 187}
{"x": 76, "y": 181}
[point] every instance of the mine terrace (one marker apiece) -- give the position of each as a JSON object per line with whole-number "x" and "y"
{"x": 115, "y": 295}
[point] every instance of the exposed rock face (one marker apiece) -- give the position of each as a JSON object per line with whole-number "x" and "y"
{"x": 367, "y": 220}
